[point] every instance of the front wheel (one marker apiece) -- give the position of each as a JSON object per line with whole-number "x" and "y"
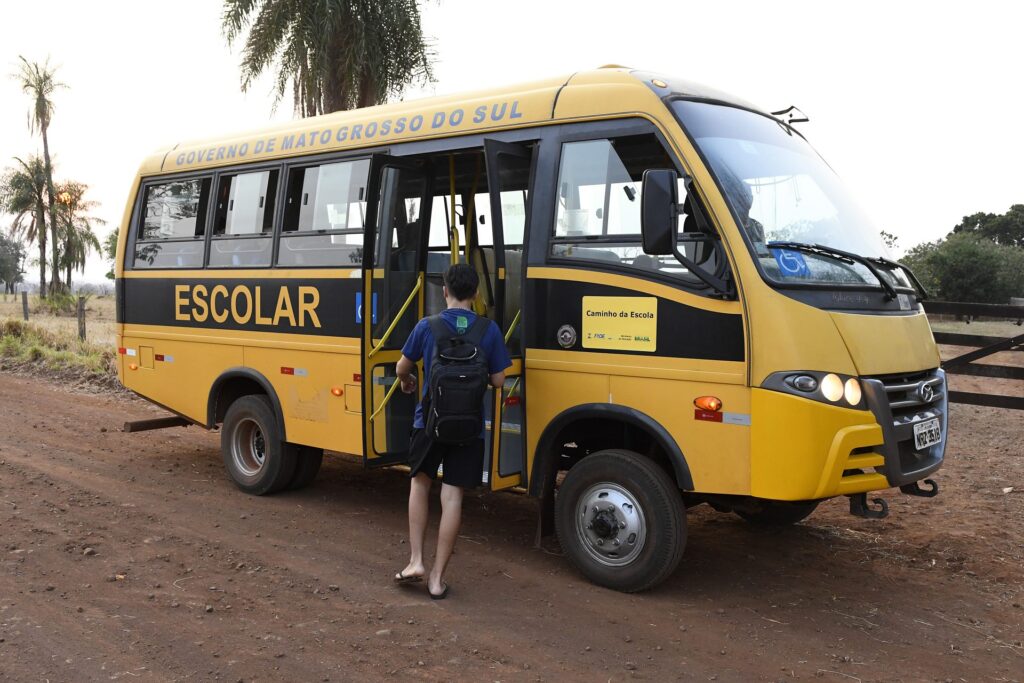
{"x": 255, "y": 456}
{"x": 620, "y": 520}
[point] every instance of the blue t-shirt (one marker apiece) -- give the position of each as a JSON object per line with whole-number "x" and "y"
{"x": 421, "y": 345}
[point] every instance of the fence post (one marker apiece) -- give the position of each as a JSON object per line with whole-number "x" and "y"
{"x": 81, "y": 318}
{"x": 24, "y": 304}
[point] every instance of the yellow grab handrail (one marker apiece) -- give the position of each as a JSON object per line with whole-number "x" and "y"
{"x": 387, "y": 397}
{"x": 401, "y": 312}
{"x": 512, "y": 327}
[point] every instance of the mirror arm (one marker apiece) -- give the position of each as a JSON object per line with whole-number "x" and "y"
{"x": 720, "y": 286}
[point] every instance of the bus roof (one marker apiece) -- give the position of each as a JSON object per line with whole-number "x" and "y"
{"x": 608, "y": 91}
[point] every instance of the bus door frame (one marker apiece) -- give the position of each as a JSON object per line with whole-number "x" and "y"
{"x": 513, "y": 393}
{"x": 372, "y": 352}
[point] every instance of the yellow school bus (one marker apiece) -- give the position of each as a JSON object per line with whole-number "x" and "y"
{"x": 697, "y": 311}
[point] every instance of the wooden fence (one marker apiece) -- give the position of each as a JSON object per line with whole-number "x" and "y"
{"x": 983, "y": 345}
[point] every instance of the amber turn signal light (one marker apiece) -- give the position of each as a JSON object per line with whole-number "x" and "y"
{"x": 133, "y": 366}
{"x": 337, "y": 391}
{"x": 710, "y": 403}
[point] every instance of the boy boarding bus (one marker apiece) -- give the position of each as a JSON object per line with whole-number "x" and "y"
{"x": 696, "y": 310}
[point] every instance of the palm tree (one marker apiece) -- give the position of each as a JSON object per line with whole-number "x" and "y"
{"x": 22, "y": 194}
{"x": 38, "y": 82}
{"x": 337, "y": 54}
{"x": 77, "y": 227}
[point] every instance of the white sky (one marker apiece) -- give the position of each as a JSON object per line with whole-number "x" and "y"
{"x": 917, "y": 105}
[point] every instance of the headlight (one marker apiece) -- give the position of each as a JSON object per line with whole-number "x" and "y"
{"x": 852, "y": 391}
{"x": 832, "y": 387}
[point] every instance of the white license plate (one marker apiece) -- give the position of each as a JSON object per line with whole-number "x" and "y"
{"x": 927, "y": 433}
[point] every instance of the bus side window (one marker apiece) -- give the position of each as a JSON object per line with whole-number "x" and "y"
{"x": 598, "y": 213}
{"x": 172, "y": 225}
{"x": 325, "y": 207}
{"x": 243, "y": 223}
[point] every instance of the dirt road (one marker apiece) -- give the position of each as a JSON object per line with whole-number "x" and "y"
{"x": 132, "y": 557}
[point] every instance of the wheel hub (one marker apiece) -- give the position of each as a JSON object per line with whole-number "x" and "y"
{"x": 248, "y": 447}
{"x": 610, "y": 524}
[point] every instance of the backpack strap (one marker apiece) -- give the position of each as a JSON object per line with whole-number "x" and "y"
{"x": 477, "y": 330}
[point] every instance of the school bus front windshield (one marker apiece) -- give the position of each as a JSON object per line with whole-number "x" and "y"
{"x": 782, "y": 191}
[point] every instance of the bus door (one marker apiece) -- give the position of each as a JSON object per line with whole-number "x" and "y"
{"x": 508, "y": 182}
{"x": 391, "y": 302}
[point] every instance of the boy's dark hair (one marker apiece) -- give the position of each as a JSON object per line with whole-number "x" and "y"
{"x": 461, "y": 280}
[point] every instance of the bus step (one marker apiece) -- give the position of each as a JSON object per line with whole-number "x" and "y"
{"x": 156, "y": 423}
{"x": 860, "y": 507}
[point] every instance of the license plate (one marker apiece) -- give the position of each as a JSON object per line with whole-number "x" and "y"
{"x": 927, "y": 433}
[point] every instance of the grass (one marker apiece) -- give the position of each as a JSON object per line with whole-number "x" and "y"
{"x": 60, "y": 319}
{"x": 32, "y": 347}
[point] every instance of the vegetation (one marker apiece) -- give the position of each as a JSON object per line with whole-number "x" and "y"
{"x": 22, "y": 194}
{"x": 969, "y": 267}
{"x": 12, "y": 262}
{"x": 336, "y": 54}
{"x": 78, "y": 237}
{"x": 26, "y": 345}
{"x": 39, "y": 83}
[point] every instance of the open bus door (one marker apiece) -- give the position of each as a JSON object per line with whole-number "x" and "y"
{"x": 508, "y": 181}
{"x": 391, "y": 303}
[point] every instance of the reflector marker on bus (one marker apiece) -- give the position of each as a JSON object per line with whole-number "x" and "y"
{"x": 298, "y": 372}
{"x": 163, "y": 357}
{"x": 130, "y": 352}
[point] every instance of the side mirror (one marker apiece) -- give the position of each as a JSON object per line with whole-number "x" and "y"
{"x": 659, "y": 211}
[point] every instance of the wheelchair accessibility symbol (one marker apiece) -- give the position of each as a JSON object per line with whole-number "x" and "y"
{"x": 791, "y": 263}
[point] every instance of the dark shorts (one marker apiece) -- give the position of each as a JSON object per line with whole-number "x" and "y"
{"x": 463, "y": 464}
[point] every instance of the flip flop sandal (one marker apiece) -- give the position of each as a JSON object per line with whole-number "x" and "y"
{"x": 402, "y": 578}
{"x": 440, "y": 596}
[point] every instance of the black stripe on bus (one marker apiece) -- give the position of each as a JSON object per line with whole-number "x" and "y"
{"x": 683, "y": 331}
{"x": 191, "y": 302}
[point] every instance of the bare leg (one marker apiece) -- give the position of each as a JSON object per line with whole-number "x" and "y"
{"x": 448, "y": 531}
{"x": 419, "y": 511}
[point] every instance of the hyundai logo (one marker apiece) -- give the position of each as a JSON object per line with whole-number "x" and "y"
{"x": 925, "y": 393}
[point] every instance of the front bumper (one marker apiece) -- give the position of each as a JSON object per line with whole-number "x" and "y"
{"x": 899, "y": 402}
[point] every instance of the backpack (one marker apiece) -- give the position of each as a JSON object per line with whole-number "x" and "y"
{"x": 457, "y": 384}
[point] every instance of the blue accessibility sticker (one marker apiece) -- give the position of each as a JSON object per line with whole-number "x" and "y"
{"x": 791, "y": 263}
{"x": 359, "y": 308}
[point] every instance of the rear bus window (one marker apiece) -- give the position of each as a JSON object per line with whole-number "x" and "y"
{"x": 243, "y": 226}
{"x": 172, "y": 225}
{"x": 324, "y": 213}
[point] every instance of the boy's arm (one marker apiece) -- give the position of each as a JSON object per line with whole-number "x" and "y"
{"x": 498, "y": 380}
{"x": 404, "y": 369}
{"x": 497, "y": 356}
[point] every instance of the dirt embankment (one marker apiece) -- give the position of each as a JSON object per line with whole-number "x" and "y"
{"x": 132, "y": 557}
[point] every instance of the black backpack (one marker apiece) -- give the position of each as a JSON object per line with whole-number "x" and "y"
{"x": 458, "y": 382}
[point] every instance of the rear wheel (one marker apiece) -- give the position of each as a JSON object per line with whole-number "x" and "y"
{"x": 308, "y": 461}
{"x": 620, "y": 520}
{"x": 255, "y": 456}
{"x": 778, "y": 513}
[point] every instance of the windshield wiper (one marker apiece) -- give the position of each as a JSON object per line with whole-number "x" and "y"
{"x": 846, "y": 256}
{"x": 922, "y": 293}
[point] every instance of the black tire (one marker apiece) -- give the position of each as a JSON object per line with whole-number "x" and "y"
{"x": 616, "y": 476}
{"x": 308, "y": 461}
{"x": 256, "y": 458}
{"x": 778, "y": 512}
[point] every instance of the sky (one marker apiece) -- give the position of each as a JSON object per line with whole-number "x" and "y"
{"x": 916, "y": 105}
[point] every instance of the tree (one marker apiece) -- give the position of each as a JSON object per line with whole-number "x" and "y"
{"x": 38, "y": 82}
{"x": 1002, "y": 228}
{"x": 77, "y": 236}
{"x": 12, "y": 261}
{"x": 337, "y": 54}
{"x": 110, "y": 252}
{"x": 967, "y": 267}
{"x": 22, "y": 193}
{"x": 891, "y": 241}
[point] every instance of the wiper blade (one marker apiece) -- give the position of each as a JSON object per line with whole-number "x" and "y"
{"x": 922, "y": 293}
{"x": 849, "y": 257}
